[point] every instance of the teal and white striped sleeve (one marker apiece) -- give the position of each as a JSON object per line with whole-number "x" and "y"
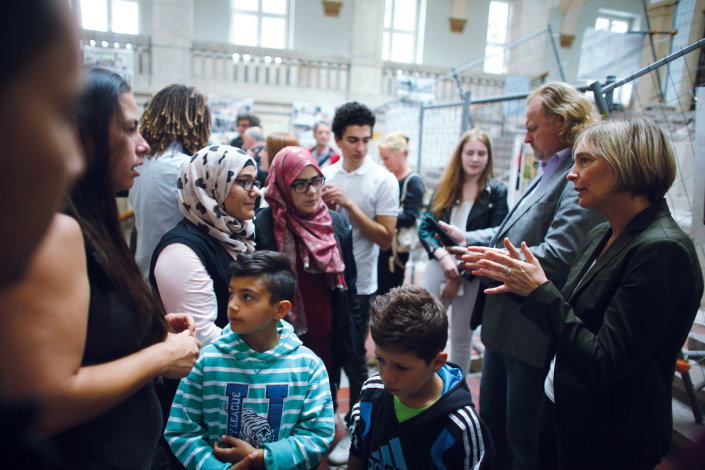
{"x": 185, "y": 431}
{"x": 314, "y": 430}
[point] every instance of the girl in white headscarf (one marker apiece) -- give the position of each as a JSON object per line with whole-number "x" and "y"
{"x": 217, "y": 191}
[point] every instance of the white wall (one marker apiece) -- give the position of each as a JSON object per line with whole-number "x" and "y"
{"x": 447, "y": 49}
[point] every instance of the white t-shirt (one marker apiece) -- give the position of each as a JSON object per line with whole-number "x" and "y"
{"x": 376, "y": 192}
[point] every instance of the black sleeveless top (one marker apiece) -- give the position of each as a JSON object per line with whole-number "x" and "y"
{"x": 214, "y": 257}
{"x": 125, "y": 436}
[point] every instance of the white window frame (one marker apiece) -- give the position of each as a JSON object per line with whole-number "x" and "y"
{"x": 633, "y": 21}
{"x": 288, "y": 35}
{"x": 494, "y": 49}
{"x": 109, "y": 5}
{"x": 417, "y": 33}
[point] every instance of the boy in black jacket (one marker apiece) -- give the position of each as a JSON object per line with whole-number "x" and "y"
{"x": 418, "y": 412}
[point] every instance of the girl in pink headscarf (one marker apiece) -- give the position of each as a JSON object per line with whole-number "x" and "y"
{"x": 318, "y": 243}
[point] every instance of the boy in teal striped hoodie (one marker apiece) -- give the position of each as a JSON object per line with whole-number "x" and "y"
{"x": 256, "y": 394}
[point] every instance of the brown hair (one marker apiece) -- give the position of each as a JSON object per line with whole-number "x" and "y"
{"x": 562, "y": 101}
{"x": 176, "y": 113}
{"x": 409, "y": 319}
{"x": 450, "y": 187}
{"x": 277, "y": 141}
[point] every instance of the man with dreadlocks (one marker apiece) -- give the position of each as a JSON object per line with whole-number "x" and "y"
{"x": 176, "y": 123}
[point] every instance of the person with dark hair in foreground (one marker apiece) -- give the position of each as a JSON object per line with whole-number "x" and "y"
{"x": 621, "y": 319}
{"x": 418, "y": 412}
{"x": 39, "y": 82}
{"x": 279, "y": 412}
{"x": 92, "y": 370}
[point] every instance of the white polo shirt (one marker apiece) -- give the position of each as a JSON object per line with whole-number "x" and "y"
{"x": 376, "y": 192}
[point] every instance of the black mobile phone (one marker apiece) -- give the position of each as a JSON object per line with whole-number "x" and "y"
{"x": 446, "y": 239}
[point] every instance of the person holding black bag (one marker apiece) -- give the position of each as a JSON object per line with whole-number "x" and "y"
{"x": 391, "y": 263}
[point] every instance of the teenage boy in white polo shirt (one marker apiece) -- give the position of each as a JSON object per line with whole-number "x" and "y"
{"x": 367, "y": 195}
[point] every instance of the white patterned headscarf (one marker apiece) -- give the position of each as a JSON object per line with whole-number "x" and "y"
{"x": 203, "y": 185}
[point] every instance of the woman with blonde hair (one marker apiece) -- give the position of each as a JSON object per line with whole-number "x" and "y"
{"x": 468, "y": 198}
{"x": 391, "y": 264}
{"x": 624, "y": 312}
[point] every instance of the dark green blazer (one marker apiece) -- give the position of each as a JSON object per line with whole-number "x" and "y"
{"x": 616, "y": 338}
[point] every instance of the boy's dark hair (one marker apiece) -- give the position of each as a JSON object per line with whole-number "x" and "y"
{"x": 249, "y": 117}
{"x": 409, "y": 319}
{"x": 272, "y": 267}
{"x": 352, "y": 114}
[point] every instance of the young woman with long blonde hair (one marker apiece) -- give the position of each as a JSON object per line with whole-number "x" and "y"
{"x": 469, "y": 198}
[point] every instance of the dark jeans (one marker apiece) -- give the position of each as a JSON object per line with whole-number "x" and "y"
{"x": 510, "y": 397}
{"x": 356, "y": 367}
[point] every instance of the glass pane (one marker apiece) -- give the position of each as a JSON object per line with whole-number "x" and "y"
{"x": 251, "y": 5}
{"x": 94, "y": 15}
{"x": 385, "y": 45}
{"x": 602, "y": 23}
{"x": 620, "y": 26}
{"x": 496, "y": 34}
{"x": 499, "y": 14}
{"x": 404, "y": 5}
{"x": 273, "y": 32}
{"x": 125, "y": 16}
{"x": 277, "y": 7}
{"x": 405, "y": 20}
{"x": 243, "y": 29}
{"x": 388, "y": 14}
{"x": 402, "y": 47}
{"x": 494, "y": 61}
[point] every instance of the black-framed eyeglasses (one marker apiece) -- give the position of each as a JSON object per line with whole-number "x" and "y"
{"x": 301, "y": 186}
{"x": 248, "y": 184}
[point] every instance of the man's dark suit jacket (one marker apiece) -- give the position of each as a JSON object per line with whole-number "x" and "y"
{"x": 616, "y": 339}
{"x": 552, "y": 223}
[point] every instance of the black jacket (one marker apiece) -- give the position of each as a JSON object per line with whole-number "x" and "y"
{"x": 488, "y": 210}
{"x": 213, "y": 255}
{"x": 616, "y": 337}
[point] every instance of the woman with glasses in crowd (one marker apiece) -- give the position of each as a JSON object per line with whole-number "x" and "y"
{"x": 217, "y": 189}
{"x": 318, "y": 243}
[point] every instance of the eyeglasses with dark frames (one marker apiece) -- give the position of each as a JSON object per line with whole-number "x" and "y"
{"x": 248, "y": 184}
{"x": 301, "y": 186}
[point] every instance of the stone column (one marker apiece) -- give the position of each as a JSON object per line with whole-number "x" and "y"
{"x": 365, "y": 79}
{"x": 172, "y": 33}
